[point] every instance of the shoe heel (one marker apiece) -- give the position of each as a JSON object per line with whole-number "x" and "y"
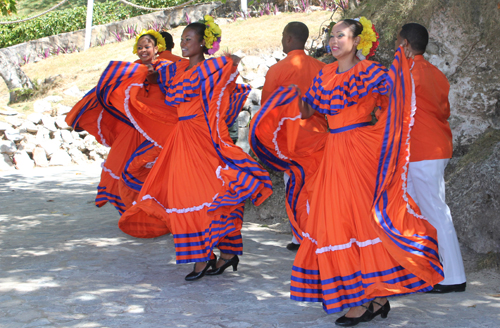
{"x": 235, "y": 267}
{"x": 385, "y": 311}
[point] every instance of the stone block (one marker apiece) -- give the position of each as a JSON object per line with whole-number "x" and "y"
{"x": 67, "y": 136}
{"x": 28, "y": 126}
{"x": 262, "y": 69}
{"x": 8, "y": 111}
{"x": 50, "y": 146}
{"x": 61, "y": 123}
{"x": 62, "y": 110}
{"x": 35, "y": 118}
{"x": 258, "y": 82}
{"x": 14, "y": 121}
{"x": 254, "y": 97}
{"x": 49, "y": 123}
{"x": 270, "y": 61}
{"x": 42, "y": 134}
{"x": 77, "y": 156}
{"x": 251, "y": 62}
{"x": 40, "y": 157}
{"x": 243, "y": 119}
{"x": 278, "y": 55}
{"x": 75, "y": 135}
{"x": 13, "y": 135}
{"x": 56, "y": 135}
{"x": 60, "y": 158}
{"x": 4, "y": 126}
{"x": 27, "y": 145}
{"x": 6, "y": 163}
{"x": 23, "y": 161}
{"x": 7, "y": 147}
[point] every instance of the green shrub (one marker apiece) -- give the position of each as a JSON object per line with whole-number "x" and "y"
{"x": 73, "y": 19}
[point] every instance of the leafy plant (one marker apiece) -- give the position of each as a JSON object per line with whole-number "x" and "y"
{"x": 130, "y": 31}
{"x": 117, "y": 35}
{"x": 101, "y": 41}
{"x": 73, "y": 19}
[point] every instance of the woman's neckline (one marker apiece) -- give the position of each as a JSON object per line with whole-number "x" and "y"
{"x": 339, "y": 73}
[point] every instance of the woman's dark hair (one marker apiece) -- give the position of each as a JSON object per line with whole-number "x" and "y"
{"x": 355, "y": 26}
{"x": 199, "y": 28}
{"x": 150, "y": 37}
{"x": 417, "y": 36}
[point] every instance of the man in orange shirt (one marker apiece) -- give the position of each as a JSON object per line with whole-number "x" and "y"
{"x": 167, "y": 54}
{"x": 297, "y": 68}
{"x": 431, "y": 148}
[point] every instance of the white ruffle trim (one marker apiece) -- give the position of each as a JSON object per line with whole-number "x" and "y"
{"x": 231, "y": 78}
{"x": 150, "y": 164}
{"x": 348, "y": 245}
{"x": 218, "y": 172}
{"x": 131, "y": 118}
{"x": 275, "y": 141}
{"x": 180, "y": 210}
{"x": 114, "y": 176}
{"x": 404, "y": 175}
{"x": 99, "y": 119}
{"x": 306, "y": 235}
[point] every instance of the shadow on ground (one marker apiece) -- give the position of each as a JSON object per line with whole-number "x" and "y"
{"x": 65, "y": 263}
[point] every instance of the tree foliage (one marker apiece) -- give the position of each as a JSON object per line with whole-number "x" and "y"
{"x": 8, "y": 7}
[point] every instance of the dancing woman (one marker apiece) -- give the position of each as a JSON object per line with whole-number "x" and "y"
{"x": 364, "y": 239}
{"x": 197, "y": 188}
{"x": 101, "y": 113}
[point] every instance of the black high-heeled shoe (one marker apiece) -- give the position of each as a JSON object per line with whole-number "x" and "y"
{"x": 349, "y": 322}
{"x": 232, "y": 261}
{"x": 197, "y": 275}
{"x": 383, "y": 310}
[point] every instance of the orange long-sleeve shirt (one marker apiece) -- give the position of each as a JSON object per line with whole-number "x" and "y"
{"x": 297, "y": 68}
{"x": 431, "y": 134}
{"x": 169, "y": 56}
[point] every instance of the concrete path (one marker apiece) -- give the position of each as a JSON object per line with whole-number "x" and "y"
{"x": 65, "y": 263}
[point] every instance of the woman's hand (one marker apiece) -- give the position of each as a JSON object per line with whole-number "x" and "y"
{"x": 306, "y": 111}
{"x": 151, "y": 69}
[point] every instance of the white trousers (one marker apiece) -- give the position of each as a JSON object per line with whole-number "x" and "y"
{"x": 427, "y": 188}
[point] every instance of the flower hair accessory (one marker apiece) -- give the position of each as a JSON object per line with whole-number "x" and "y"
{"x": 160, "y": 41}
{"x": 212, "y": 35}
{"x": 369, "y": 39}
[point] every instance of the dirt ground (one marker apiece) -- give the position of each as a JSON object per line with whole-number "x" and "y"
{"x": 65, "y": 263}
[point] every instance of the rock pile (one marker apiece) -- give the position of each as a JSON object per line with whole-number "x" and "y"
{"x": 44, "y": 139}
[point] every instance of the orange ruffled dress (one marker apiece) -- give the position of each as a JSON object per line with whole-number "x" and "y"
{"x": 197, "y": 188}
{"x": 363, "y": 237}
{"x": 101, "y": 113}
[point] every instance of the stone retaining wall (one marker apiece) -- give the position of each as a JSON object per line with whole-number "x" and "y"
{"x": 76, "y": 40}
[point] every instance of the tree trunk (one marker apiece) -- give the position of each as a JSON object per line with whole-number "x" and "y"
{"x": 13, "y": 75}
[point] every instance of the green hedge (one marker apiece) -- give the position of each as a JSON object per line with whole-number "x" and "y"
{"x": 73, "y": 19}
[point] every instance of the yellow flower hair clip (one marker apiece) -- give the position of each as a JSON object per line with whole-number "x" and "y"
{"x": 369, "y": 38}
{"x": 160, "y": 41}
{"x": 212, "y": 36}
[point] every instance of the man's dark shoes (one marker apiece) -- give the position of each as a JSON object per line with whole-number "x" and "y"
{"x": 292, "y": 246}
{"x": 441, "y": 289}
